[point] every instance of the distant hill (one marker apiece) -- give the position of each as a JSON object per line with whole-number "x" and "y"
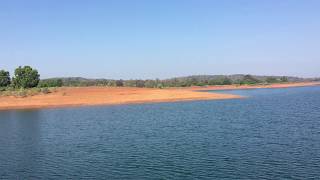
{"x": 238, "y": 77}
{"x": 195, "y": 80}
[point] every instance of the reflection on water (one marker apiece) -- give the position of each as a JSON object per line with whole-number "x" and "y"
{"x": 22, "y": 132}
{"x": 273, "y": 134}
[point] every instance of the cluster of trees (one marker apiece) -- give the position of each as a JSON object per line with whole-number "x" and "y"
{"x": 275, "y": 80}
{"x": 24, "y": 77}
{"x": 175, "y": 82}
{"x": 77, "y": 81}
{"x": 50, "y": 83}
{"x": 248, "y": 79}
{"x": 221, "y": 80}
{"x": 5, "y": 79}
{"x": 195, "y": 81}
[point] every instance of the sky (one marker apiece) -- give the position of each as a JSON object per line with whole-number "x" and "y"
{"x": 142, "y": 39}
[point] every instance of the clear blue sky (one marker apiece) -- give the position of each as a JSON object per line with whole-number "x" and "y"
{"x": 161, "y": 38}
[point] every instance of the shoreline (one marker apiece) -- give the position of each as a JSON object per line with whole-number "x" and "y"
{"x": 99, "y": 96}
{"x": 260, "y": 86}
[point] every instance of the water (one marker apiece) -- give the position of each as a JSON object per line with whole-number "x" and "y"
{"x": 272, "y": 134}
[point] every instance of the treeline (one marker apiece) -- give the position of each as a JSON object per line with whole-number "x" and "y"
{"x": 177, "y": 82}
{"x": 27, "y": 77}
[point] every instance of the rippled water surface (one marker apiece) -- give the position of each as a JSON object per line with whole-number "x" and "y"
{"x": 272, "y": 134}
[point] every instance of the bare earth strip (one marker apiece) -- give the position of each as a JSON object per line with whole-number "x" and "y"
{"x": 89, "y": 96}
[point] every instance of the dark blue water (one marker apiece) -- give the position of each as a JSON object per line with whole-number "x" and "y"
{"x": 272, "y": 134}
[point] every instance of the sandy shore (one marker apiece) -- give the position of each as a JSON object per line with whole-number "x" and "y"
{"x": 88, "y": 96}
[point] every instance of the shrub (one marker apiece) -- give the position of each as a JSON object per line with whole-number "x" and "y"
{"x": 21, "y": 93}
{"x": 45, "y": 90}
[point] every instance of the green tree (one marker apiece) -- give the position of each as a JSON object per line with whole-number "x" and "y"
{"x": 248, "y": 79}
{"x": 119, "y": 83}
{"x": 50, "y": 83}
{"x": 227, "y": 81}
{"x": 25, "y": 77}
{"x": 150, "y": 83}
{"x": 272, "y": 80}
{"x": 140, "y": 83}
{"x": 220, "y": 81}
{"x": 59, "y": 83}
{"x": 284, "y": 79}
{"x": 4, "y": 78}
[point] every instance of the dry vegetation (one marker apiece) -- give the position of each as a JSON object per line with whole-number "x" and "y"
{"x": 22, "y": 93}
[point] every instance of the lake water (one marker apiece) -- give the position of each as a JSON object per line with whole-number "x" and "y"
{"x": 272, "y": 134}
